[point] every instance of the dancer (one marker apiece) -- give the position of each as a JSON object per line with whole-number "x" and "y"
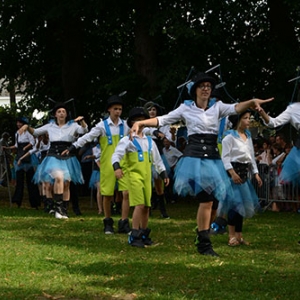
{"x": 94, "y": 183}
{"x": 58, "y": 171}
{"x": 290, "y": 172}
{"x": 155, "y": 110}
{"x": 110, "y": 132}
{"x": 23, "y": 143}
{"x": 238, "y": 159}
{"x": 200, "y": 172}
{"x": 291, "y": 166}
{"x": 140, "y": 154}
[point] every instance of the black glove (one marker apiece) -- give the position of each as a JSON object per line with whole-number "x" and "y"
{"x": 163, "y": 175}
{"x": 72, "y": 149}
{"x": 116, "y": 166}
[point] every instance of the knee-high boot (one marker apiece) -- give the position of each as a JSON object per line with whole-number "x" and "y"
{"x": 60, "y": 211}
{"x": 203, "y": 243}
{"x": 162, "y": 206}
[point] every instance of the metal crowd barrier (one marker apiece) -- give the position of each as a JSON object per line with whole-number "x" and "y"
{"x": 272, "y": 190}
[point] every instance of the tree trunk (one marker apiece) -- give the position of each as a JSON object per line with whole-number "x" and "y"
{"x": 145, "y": 47}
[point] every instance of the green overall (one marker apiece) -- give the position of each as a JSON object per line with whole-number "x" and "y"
{"x": 140, "y": 176}
{"x": 108, "y": 180}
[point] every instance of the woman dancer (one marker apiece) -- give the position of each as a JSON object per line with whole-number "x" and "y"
{"x": 200, "y": 171}
{"x": 57, "y": 170}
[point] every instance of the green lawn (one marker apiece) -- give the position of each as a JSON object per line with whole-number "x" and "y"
{"x": 45, "y": 258}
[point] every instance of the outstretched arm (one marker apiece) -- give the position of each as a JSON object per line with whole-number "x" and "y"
{"x": 253, "y": 104}
{"x": 265, "y": 116}
{"x": 139, "y": 126}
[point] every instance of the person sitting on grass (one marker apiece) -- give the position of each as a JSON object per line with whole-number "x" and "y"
{"x": 140, "y": 153}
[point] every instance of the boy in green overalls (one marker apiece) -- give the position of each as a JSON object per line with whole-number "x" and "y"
{"x": 139, "y": 153}
{"x": 109, "y": 132}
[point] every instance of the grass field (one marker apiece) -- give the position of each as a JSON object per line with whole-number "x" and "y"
{"x": 45, "y": 258}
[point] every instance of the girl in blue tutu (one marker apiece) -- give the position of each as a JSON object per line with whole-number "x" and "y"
{"x": 56, "y": 171}
{"x": 200, "y": 172}
{"x": 290, "y": 172}
{"x": 238, "y": 159}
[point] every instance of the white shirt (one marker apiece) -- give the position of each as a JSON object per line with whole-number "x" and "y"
{"x": 290, "y": 115}
{"x": 97, "y": 153}
{"x": 99, "y": 130}
{"x": 25, "y": 137}
{"x": 172, "y": 155}
{"x": 65, "y": 133}
{"x": 125, "y": 145}
{"x": 198, "y": 120}
{"x": 235, "y": 149}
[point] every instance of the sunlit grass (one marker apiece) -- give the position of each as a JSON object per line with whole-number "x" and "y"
{"x": 45, "y": 258}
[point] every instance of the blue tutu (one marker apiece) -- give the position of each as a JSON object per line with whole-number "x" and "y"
{"x": 194, "y": 175}
{"x": 94, "y": 180}
{"x": 70, "y": 168}
{"x": 34, "y": 162}
{"x": 290, "y": 172}
{"x": 155, "y": 175}
{"x": 244, "y": 201}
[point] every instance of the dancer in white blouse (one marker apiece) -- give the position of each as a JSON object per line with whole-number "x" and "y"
{"x": 57, "y": 170}
{"x": 238, "y": 159}
{"x": 200, "y": 172}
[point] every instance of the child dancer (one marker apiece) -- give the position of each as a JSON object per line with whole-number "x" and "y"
{"x": 140, "y": 154}
{"x": 238, "y": 158}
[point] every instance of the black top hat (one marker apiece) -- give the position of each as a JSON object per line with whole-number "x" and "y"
{"x": 136, "y": 112}
{"x": 198, "y": 78}
{"x": 23, "y": 120}
{"x": 234, "y": 119}
{"x": 115, "y": 99}
{"x": 151, "y": 104}
{"x": 59, "y": 105}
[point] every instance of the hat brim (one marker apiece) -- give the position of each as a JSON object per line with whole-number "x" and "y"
{"x": 131, "y": 118}
{"x": 203, "y": 79}
{"x": 58, "y": 107}
{"x": 21, "y": 120}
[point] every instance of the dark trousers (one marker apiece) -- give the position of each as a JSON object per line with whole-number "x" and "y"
{"x": 33, "y": 191}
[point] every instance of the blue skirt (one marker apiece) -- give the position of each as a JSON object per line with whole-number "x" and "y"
{"x": 94, "y": 180}
{"x": 34, "y": 162}
{"x": 70, "y": 168}
{"x": 194, "y": 175}
{"x": 244, "y": 201}
{"x": 290, "y": 172}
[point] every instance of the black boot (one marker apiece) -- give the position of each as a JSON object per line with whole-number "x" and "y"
{"x": 60, "y": 210}
{"x": 123, "y": 226}
{"x": 50, "y": 205}
{"x": 145, "y": 237}
{"x": 65, "y": 207}
{"x": 44, "y": 200}
{"x": 154, "y": 200}
{"x": 218, "y": 226}
{"x": 203, "y": 243}
{"x": 162, "y": 206}
{"x": 135, "y": 238}
{"x": 108, "y": 226}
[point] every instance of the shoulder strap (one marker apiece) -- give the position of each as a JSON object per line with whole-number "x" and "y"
{"x": 139, "y": 149}
{"x": 108, "y": 132}
{"x": 149, "y": 146}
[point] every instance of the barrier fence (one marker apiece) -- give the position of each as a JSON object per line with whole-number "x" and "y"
{"x": 272, "y": 191}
